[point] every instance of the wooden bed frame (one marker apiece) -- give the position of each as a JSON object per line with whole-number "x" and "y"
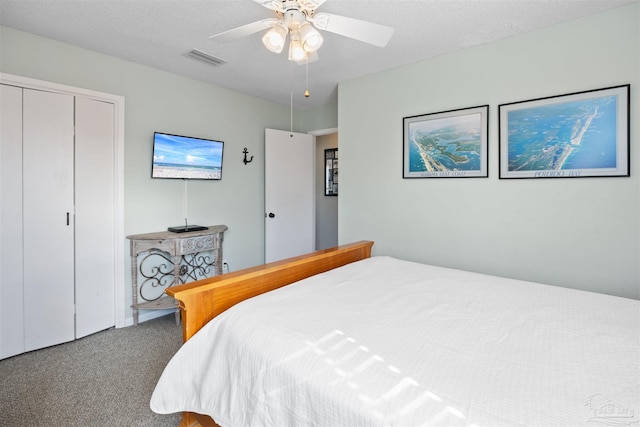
{"x": 201, "y": 301}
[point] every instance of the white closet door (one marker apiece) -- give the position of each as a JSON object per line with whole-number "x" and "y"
{"x": 95, "y": 216}
{"x": 48, "y": 218}
{"x": 11, "y": 312}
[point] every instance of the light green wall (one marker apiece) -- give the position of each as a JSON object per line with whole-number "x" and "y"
{"x": 161, "y": 101}
{"x": 579, "y": 233}
{"x": 320, "y": 118}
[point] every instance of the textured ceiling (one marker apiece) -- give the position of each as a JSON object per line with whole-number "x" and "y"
{"x": 159, "y": 33}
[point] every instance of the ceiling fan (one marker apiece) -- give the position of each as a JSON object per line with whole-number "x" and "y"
{"x": 298, "y": 20}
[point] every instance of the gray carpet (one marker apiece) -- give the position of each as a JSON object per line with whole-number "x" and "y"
{"x": 105, "y": 379}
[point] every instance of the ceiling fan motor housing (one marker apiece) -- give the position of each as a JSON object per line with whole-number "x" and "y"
{"x": 294, "y": 18}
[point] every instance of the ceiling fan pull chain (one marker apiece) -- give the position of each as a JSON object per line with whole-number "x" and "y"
{"x": 306, "y": 92}
{"x": 291, "y": 93}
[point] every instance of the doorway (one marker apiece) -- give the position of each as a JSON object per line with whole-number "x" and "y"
{"x": 323, "y": 217}
{"x": 326, "y": 205}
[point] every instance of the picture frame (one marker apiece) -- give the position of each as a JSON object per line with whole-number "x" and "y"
{"x": 577, "y": 135}
{"x": 446, "y": 144}
{"x": 331, "y": 172}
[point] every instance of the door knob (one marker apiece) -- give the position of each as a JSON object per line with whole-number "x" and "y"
{"x": 272, "y": 215}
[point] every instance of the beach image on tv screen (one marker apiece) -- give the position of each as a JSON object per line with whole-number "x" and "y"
{"x": 187, "y": 158}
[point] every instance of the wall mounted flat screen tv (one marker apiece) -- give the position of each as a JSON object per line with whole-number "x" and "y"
{"x": 185, "y": 157}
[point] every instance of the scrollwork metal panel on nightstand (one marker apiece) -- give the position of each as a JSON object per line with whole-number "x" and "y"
{"x": 164, "y": 259}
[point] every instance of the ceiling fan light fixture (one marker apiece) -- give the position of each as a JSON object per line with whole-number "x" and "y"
{"x": 296, "y": 52}
{"x": 310, "y": 38}
{"x": 298, "y": 21}
{"x": 275, "y": 38}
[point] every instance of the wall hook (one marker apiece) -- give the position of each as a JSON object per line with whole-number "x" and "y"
{"x": 245, "y": 161}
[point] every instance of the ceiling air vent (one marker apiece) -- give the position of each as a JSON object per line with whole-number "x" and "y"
{"x": 205, "y": 57}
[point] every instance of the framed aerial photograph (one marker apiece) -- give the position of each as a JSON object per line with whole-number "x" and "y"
{"x": 583, "y": 134}
{"x": 448, "y": 144}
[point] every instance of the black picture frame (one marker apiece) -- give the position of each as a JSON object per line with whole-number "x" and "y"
{"x": 576, "y": 135}
{"x": 447, "y": 144}
{"x": 331, "y": 172}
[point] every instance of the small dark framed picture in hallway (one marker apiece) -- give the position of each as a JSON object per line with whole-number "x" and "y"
{"x": 331, "y": 172}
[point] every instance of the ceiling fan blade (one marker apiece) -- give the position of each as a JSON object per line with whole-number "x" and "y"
{"x": 368, "y": 32}
{"x": 270, "y": 4}
{"x": 245, "y": 30}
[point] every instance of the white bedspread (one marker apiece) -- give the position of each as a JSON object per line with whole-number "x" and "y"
{"x": 390, "y": 342}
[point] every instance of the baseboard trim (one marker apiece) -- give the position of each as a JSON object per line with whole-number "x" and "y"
{"x": 148, "y": 315}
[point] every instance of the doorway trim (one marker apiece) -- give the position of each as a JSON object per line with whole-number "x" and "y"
{"x": 118, "y": 235}
{"x": 322, "y": 132}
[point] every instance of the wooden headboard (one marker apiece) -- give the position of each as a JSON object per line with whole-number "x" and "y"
{"x": 201, "y": 301}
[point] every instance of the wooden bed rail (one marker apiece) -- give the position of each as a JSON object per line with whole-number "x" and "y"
{"x": 202, "y": 300}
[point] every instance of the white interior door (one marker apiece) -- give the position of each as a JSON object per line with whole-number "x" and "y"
{"x": 289, "y": 194}
{"x": 48, "y": 218}
{"x": 95, "y": 216}
{"x": 11, "y": 305}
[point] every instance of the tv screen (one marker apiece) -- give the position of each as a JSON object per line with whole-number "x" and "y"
{"x": 184, "y": 157}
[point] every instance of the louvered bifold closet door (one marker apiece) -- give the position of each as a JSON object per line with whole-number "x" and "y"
{"x": 48, "y": 151}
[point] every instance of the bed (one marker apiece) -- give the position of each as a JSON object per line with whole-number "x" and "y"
{"x": 340, "y": 338}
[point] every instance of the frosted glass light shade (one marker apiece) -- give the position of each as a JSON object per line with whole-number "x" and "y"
{"x": 296, "y": 52}
{"x": 274, "y": 39}
{"x": 310, "y": 38}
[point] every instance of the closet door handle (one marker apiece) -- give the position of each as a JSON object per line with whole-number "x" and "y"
{"x": 67, "y": 218}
